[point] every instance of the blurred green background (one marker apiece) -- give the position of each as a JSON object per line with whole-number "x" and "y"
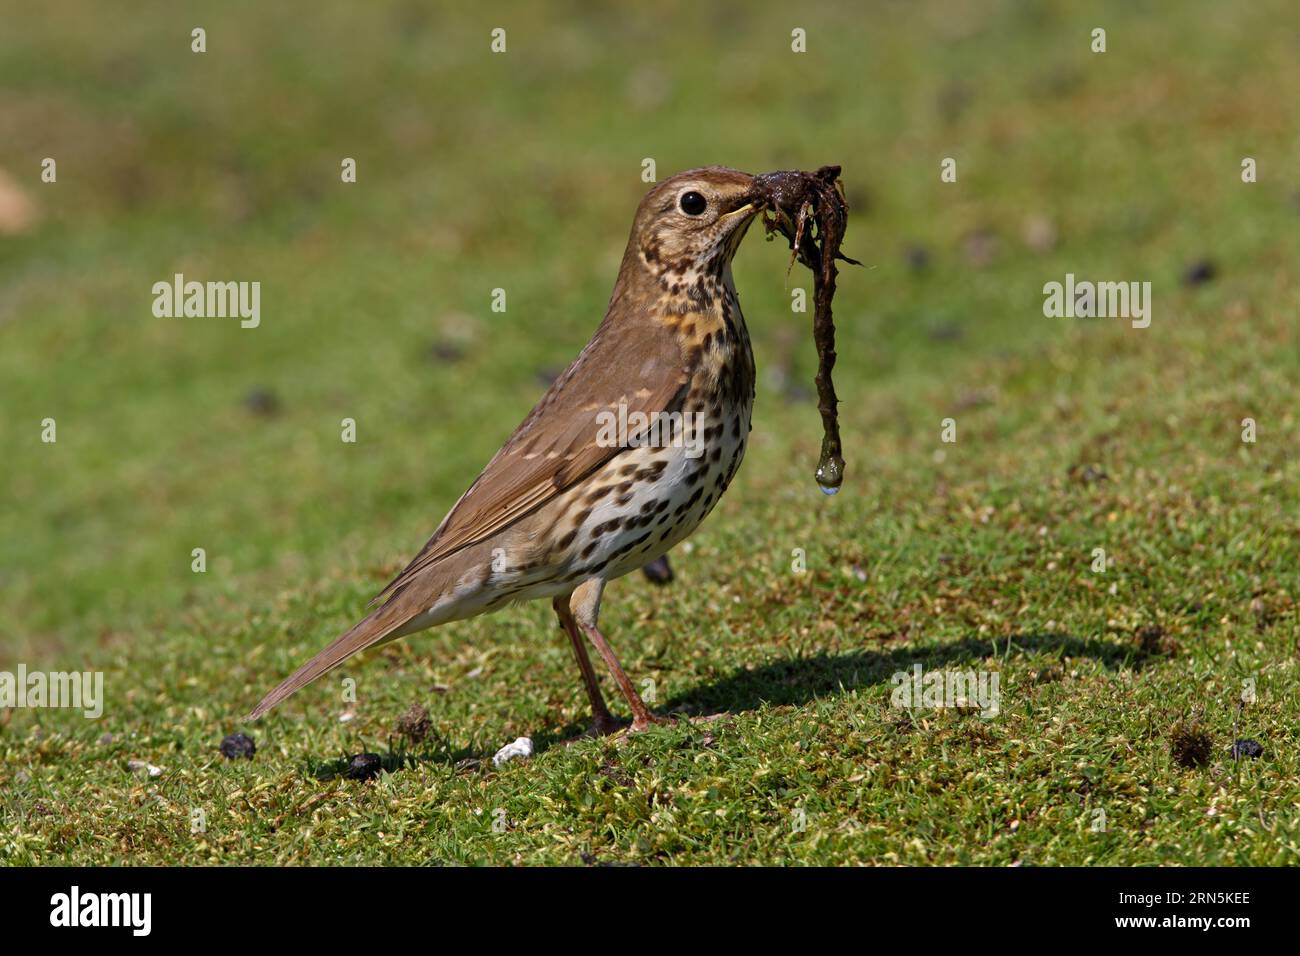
{"x": 522, "y": 171}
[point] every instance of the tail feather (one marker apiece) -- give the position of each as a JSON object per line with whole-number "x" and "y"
{"x": 374, "y": 629}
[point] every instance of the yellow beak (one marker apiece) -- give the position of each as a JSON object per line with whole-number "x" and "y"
{"x": 745, "y": 208}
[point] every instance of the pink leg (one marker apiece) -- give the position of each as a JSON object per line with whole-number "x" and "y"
{"x": 602, "y": 721}
{"x": 585, "y": 607}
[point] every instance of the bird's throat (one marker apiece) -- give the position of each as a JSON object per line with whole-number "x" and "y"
{"x": 710, "y": 329}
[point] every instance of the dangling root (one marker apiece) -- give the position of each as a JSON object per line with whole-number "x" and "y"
{"x": 791, "y": 199}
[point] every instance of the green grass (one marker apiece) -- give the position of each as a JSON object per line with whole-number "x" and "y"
{"x": 522, "y": 171}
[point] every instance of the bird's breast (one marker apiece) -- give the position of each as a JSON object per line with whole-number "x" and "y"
{"x": 714, "y": 340}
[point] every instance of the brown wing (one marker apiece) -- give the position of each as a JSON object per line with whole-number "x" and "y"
{"x": 632, "y": 360}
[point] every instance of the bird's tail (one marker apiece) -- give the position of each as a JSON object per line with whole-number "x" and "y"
{"x": 383, "y": 624}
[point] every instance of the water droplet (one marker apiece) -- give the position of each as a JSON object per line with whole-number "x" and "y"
{"x": 830, "y": 474}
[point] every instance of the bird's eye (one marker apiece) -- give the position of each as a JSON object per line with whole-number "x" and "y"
{"x": 693, "y": 203}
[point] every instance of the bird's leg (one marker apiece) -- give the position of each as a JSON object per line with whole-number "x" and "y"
{"x": 585, "y": 607}
{"x": 602, "y": 721}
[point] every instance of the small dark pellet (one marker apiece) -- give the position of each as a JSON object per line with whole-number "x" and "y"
{"x": 1246, "y": 748}
{"x": 238, "y": 745}
{"x": 262, "y": 402}
{"x": 1200, "y": 272}
{"x": 364, "y": 766}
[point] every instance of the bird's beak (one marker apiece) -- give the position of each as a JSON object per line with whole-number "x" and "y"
{"x": 747, "y": 208}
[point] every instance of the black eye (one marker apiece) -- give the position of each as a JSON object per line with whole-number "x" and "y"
{"x": 693, "y": 203}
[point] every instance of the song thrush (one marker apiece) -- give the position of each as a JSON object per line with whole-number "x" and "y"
{"x": 571, "y": 501}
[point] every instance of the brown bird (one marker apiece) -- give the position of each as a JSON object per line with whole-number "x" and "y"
{"x": 621, "y": 459}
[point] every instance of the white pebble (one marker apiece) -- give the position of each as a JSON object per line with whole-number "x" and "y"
{"x": 522, "y": 747}
{"x": 141, "y": 765}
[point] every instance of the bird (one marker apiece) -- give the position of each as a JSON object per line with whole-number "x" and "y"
{"x": 621, "y": 459}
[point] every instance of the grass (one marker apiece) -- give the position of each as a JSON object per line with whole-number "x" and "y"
{"x": 521, "y": 172}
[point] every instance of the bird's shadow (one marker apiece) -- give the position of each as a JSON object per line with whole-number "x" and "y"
{"x": 788, "y": 681}
{"x": 794, "y": 681}
{"x": 799, "y": 680}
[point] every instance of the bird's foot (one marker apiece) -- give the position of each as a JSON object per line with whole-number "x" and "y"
{"x": 645, "y": 720}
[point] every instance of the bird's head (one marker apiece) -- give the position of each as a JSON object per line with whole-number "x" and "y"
{"x": 692, "y": 223}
